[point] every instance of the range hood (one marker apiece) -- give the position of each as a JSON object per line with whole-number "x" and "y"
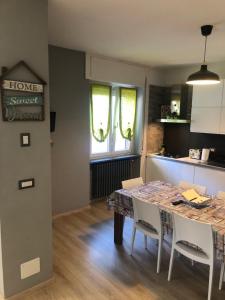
{"x": 173, "y": 121}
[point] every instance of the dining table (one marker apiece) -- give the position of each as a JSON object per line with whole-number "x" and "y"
{"x": 163, "y": 194}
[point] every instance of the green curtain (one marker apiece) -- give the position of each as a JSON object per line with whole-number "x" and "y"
{"x": 100, "y": 111}
{"x": 128, "y": 101}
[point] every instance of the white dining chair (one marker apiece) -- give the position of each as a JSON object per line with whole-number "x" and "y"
{"x": 198, "y": 188}
{"x": 150, "y": 214}
{"x": 187, "y": 232}
{"x": 131, "y": 183}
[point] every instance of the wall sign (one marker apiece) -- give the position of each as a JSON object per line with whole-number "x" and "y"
{"x": 22, "y": 86}
{"x": 22, "y": 100}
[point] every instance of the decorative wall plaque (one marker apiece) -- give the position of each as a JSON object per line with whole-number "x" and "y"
{"x": 22, "y": 100}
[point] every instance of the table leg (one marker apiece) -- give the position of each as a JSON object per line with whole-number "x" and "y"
{"x": 118, "y": 228}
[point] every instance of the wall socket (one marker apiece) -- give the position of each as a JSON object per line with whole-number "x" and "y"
{"x": 30, "y": 268}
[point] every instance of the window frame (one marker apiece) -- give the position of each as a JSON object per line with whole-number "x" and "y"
{"x": 115, "y": 92}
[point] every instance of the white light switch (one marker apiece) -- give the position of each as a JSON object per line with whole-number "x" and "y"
{"x": 25, "y": 140}
{"x": 26, "y": 184}
{"x": 30, "y": 268}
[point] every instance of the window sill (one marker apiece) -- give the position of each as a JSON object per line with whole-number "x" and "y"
{"x": 107, "y": 159}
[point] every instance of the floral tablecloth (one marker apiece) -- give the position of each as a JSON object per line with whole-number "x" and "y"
{"x": 163, "y": 194}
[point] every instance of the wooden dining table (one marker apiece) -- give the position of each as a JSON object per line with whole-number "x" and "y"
{"x": 162, "y": 194}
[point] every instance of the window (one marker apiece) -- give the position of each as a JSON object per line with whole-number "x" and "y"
{"x": 113, "y": 112}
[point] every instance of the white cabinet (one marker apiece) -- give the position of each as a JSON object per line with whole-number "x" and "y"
{"x": 214, "y": 180}
{"x": 223, "y": 100}
{"x": 168, "y": 171}
{"x": 173, "y": 172}
{"x": 207, "y": 95}
{"x": 206, "y": 119}
{"x": 207, "y": 109}
{"x": 222, "y": 121}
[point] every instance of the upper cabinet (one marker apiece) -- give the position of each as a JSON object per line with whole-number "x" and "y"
{"x": 207, "y": 95}
{"x": 208, "y": 103}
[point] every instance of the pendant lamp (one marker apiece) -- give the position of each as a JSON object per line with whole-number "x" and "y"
{"x": 204, "y": 76}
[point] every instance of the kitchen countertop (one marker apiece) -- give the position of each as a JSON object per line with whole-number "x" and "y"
{"x": 188, "y": 160}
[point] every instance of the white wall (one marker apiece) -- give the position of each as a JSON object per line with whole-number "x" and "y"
{"x": 104, "y": 69}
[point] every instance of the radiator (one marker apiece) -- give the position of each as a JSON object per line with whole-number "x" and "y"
{"x": 106, "y": 175}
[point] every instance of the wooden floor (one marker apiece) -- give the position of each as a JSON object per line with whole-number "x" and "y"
{"x": 87, "y": 265}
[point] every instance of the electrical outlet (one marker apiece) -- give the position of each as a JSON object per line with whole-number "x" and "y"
{"x": 30, "y": 268}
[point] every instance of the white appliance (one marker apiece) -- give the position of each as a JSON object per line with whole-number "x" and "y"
{"x": 205, "y": 154}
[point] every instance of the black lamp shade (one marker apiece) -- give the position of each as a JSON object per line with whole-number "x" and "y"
{"x": 203, "y": 77}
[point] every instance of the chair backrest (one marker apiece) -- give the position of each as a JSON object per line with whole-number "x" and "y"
{"x": 147, "y": 212}
{"x": 221, "y": 195}
{"x": 127, "y": 184}
{"x": 198, "y": 188}
{"x": 195, "y": 232}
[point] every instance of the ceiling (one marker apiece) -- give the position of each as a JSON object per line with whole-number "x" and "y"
{"x": 149, "y": 32}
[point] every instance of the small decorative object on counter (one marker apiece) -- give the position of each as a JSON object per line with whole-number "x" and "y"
{"x": 195, "y": 153}
{"x": 165, "y": 111}
{"x": 162, "y": 150}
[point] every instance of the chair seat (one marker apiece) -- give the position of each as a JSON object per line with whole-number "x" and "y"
{"x": 147, "y": 229}
{"x": 188, "y": 249}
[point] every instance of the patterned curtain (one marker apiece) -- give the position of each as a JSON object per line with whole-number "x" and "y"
{"x": 100, "y": 111}
{"x": 128, "y": 101}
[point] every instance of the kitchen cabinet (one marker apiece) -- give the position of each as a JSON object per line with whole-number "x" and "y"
{"x": 222, "y": 121}
{"x": 173, "y": 172}
{"x": 214, "y": 180}
{"x": 168, "y": 171}
{"x": 207, "y": 95}
{"x": 208, "y": 104}
{"x": 206, "y": 119}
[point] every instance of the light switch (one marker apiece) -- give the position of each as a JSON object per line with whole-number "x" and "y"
{"x": 30, "y": 268}
{"x": 26, "y": 183}
{"x": 25, "y": 139}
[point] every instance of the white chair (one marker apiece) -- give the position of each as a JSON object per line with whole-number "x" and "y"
{"x": 198, "y": 188}
{"x": 134, "y": 182}
{"x": 149, "y": 213}
{"x": 187, "y": 232}
{"x": 220, "y": 195}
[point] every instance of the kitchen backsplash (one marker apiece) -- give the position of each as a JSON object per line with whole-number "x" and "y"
{"x": 178, "y": 140}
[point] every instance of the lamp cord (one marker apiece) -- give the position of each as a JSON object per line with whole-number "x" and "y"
{"x": 205, "y": 50}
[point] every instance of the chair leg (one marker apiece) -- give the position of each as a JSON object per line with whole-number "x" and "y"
{"x": 171, "y": 263}
{"x": 192, "y": 263}
{"x": 222, "y": 274}
{"x": 132, "y": 240}
{"x": 146, "y": 243}
{"x": 210, "y": 282}
{"x": 159, "y": 254}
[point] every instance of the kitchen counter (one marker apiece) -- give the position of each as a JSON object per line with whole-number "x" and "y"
{"x": 190, "y": 161}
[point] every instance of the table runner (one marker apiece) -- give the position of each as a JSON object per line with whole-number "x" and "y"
{"x": 162, "y": 194}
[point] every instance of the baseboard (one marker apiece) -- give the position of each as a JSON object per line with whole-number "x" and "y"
{"x": 32, "y": 289}
{"x": 56, "y": 216}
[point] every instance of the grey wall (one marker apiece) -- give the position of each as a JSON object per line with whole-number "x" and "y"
{"x": 25, "y": 215}
{"x": 70, "y": 150}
